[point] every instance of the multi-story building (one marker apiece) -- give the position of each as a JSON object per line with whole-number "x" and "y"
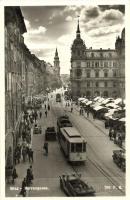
{"x": 97, "y": 72}
{"x": 14, "y": 29}
{"x": 25, "y": 75}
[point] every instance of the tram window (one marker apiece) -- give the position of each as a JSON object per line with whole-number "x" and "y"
{"x": 72, "y": 147}
{"x": 79, "y": 147}
{"x": 84, "y": 147}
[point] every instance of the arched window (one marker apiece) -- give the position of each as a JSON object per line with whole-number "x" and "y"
{"x": 97, "y": 93}
{"x": 96, "y": 74}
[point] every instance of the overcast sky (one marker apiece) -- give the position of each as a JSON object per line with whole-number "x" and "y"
{"x": 55, "y": 26}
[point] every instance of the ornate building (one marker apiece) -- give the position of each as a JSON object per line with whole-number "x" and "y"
{"x": 97, "y": 72}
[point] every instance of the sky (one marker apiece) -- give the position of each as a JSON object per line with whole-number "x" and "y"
{"x": 51, "y": 27}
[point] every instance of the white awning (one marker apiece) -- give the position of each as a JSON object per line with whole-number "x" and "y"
{"x": 88, "y": 103}
{"x": 99, "y": 108}
{"x": 113, "y": 105}
{"x": 122, "y": 119}
{"x": 84, "y": 101}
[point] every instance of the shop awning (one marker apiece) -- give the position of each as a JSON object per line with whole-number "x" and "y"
{"x": 99, "y": 108}
{"x": 112, "y": 105}
{"x": 88, "y": 103}
{"x": 122, "y": 119}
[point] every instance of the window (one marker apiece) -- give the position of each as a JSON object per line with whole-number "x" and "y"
{"x": 114, "y": 64}
{"x": 84, "y": 147}
{"x": 97, "y": 84}
{"x": 92, "y": 64}
{"x": 88, "y": 84}
{"x": 72, "y": 147}
{"x": 88, "y": 74}
{"x": 78, "y": 147}
{"x": 101, "y": 55}
{"x": 114, "y": 84}
{"x": 96, "y": 64}
{"x": 88, "y": 64}
{"x": 105, "y": 64}
{"x": 92, "y": 55}
{"x": 97, "y": 74}
{"x": 105, "y": 84}
{"x": 78, "y": 72}
{"x": 114, "y": 73}
{"x": 105, "y": 74}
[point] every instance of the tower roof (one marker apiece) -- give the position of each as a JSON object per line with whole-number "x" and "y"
{"x": 56, "y": 53}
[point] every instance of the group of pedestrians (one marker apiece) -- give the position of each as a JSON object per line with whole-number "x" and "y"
{"x": 47, "y": 109}
{"x": 27, "y": 181}
{"x": 116, "y": 137}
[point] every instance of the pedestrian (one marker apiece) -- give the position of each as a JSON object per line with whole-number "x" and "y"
{"x": 29, "y": 176}
{"x": 88, "y": 113}
{"x": 111, "y": 133}
{"x": 45, "y": 106}
{"x": 46, "y": 148}
{"x": 30, "y": 155}
{"x": 80, "y": 111}
{"x": 114, "y": 136}
{"x": 23, "y": 188}
{"x": 48, "y": 107}
{"x": 71, "y": 108}
{"x": 120, "y": 140}
{"x": 14, "y": 175}
{"x": 40, "y": 114}
{"x": 24, "y": 153}
{"x": 46, "y": 113}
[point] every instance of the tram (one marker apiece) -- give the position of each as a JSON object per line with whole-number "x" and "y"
{"x": 72, "y": 144}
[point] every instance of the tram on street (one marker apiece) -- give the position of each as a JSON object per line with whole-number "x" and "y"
{"x": 72, "y": 144}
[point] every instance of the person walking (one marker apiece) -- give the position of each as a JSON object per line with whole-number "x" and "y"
{"x": 30, "y": 155}
{"x": 23, "y": 188}
{"x": 88, "y": 113}
{"x": 111, "y": 133}
{"x": 45, "y": 147}
{"x": 14, "y": 175}
{"x": 45, "y": 106}
{"x": 29, "y": 177}
{"x": 46, "y": 113}
{"x": 40, "y": 114}
{"x": 24, "y": 153}
{"x": 48, "y": 107}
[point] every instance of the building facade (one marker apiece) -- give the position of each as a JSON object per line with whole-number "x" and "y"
{"x": 97, "y": 72}
{"x": 25, "y": 75}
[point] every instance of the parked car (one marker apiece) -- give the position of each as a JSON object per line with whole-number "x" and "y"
{"x": 72, "y": 185}
{"x": 37, "y": 129}
{"x": 50, "y": 133}
{"x": 119, "y": 158}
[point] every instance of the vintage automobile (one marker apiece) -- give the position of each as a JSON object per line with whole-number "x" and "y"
{"x": 37, "y": 129}
{"x": 50, "y": 134}
{"x": 72, "y": 185}
{"x": 119, "y": 158}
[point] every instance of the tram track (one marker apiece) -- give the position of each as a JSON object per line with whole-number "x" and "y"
{"x": 99, "y": 166}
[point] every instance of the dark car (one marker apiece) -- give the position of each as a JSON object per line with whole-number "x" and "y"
{"x": 72, "y": 185}
{"x": 119, "y": 158}
{"x": 50, "y": 134}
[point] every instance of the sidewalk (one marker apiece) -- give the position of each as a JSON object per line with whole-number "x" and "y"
{"x": 12, "y": 190}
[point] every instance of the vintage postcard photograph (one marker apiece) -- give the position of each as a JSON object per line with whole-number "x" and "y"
{"x": 65, "y": 101}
